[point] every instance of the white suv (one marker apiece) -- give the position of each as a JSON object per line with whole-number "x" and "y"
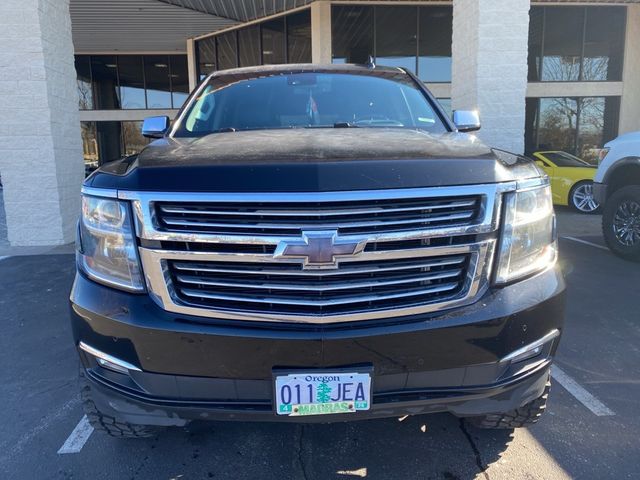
{"x": 617, "y": 186}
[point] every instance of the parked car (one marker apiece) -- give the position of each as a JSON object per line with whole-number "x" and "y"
{"x": 571, "y": 180}
{"x": 315, "y": 243}
{"x": 617, "y": 185}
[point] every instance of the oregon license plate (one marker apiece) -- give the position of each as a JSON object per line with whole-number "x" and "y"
{"x": 322, "y": 393}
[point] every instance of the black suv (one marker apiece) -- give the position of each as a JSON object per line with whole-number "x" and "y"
{"x": 315, "y": 243}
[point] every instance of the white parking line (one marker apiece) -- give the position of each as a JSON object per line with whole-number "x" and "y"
{"x": 579, "y": 240}
{"x": 77, "y": 439}
{"x": 592, "y": 403}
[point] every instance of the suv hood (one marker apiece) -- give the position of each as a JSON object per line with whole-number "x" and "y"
{"x": 312, "y": 159}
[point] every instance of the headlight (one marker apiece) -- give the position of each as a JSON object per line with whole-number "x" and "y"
{"x": 528, "y": 242}
{"x": 106, "y": 249}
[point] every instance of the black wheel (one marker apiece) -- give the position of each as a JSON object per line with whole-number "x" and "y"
{"x": 621, "y": 222}
{"x": 581, "y": 198}
{"x": 107, "y": 423}
{"x": 524, "y": 416}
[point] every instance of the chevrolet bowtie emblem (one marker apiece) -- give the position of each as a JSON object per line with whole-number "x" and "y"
{"x": 319, "y": 249}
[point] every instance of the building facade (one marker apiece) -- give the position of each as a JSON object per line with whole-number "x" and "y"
{"x": 545, "y": 75}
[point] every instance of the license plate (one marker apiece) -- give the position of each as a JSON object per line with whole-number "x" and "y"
{"x": 302, "y": 394}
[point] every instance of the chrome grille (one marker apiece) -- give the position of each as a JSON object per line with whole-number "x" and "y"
{"x": 287, "y": 288}
{"x": 280, "y": 218}
{"x": 219, "y": 255}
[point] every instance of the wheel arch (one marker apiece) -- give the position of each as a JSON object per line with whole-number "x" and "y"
{"x": 625, "y": 172}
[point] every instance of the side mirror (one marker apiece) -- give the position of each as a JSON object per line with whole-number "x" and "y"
{"x": 155, "y": 127}
{"x": 466, "y": 120}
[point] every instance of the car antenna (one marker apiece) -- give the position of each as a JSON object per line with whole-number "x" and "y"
{"x": 371, "y": 63}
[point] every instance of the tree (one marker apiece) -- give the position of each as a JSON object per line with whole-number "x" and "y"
{"x": 324, "y": 393}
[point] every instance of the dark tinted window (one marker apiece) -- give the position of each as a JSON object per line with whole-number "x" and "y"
{"x": 434, "y": 45}
{"x": 562, "y": 159}
{"x": 85, "y": 91}
{"x": 273, "y": 42}
{"x": 104, "y": 70}
{"x": 536, "y": 21}
{"x": 206, "y": 53}
{"x": 310, "y": 100}
{"x": 604, "y": 43}
{"x": 562, "y": 44}
{"x": 299, "y": 37}
{"x": 131, "y": 77}
{"x": 157, "y": 77}
{"x": 396, "y": 35}
{"x": 249, "y": 46}
{"x": 227, "y": 50}
{"x": 179, "y": 79}
{"x": 352, "y": 33}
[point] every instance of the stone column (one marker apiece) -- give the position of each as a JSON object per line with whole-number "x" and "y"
{"x": 321, "y": 32}
{"x": 40, "y": 145}
{"x": 490, "y": 47}
{"x": 630, "y": 102}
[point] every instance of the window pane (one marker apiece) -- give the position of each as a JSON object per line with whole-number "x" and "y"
{"x": 89, "y": 146}
{"x": 299, "y": 37}
{"x": 132, "y": 139}
{"x": 273, "y": 44}
{"x": 249, "y": 43}
{"x": 558, "y": 119}
{"x": 536, "y": 17}
{"x": 562, "y": 43}
{"x": 604, "y": 43}
{"x": 131, "y": 81}
{"x": 109, "y": 141}
{"x": 179, "y": 79}
{"x": 104, "y": 69}
{"x": 598, "y": 125}
{"x": 531, "y": 126}
{"x": 227, "y": 51}
{"x": 396, "y": 36}
{"x": 352, "y": 34}
{"x": 435, "y": 35}
{"x": 156, "y": 72}
{"x": 83, "y": 71}
{"x": 206, "y": 53}
{"x": 446, "y": 105}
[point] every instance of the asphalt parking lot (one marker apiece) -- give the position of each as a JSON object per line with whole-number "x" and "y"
{"x": 591, "y": 428}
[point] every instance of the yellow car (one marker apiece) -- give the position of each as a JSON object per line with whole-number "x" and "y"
{"x": 571, "y": 180}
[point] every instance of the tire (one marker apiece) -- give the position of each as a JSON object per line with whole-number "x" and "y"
{"x": 524, "y": 416}
{"x": 109, "y": 424}
{"x": 623, "y": 208}
{"x": 581, "y": 198}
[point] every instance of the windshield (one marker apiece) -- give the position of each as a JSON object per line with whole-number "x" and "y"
{"x": 562, "y": 159}
{"x": 308, "y": 100}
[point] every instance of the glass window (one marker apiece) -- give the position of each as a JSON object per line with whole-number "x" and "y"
{"x": 85, "y": 92}
{"x": 89, "y": 146}
{"x": 227, "y": 50}
{"x": 130, "y": 73}
{"x": 109, "y": 136}
{"x": 206, "y": 53}
{"x": 156, "y": 72}
{"x": 562, "y": 44}
{"x": 249, "y": 46}
{"x": 604, "y": 43}
{"x": 352, "y": 33}
{"x": 273, "y": 42}
{"x": 531, "y": 125}
{"x": 132, "y": 139}
{"x": 536, "y": 20}
{"x": 557, "y": 124}
{"x": 310, "y": 100}
{"x": 396, "y": 36}
{"x": 434, "y": 45}
{"x": 179, "y": 79}
{"x": 299, "y": 37}
{"x": 564, "y": 159}
{"x": 104, "y": 73}
{"x": 598, "y": 123}
{"x": 445, "y": 103}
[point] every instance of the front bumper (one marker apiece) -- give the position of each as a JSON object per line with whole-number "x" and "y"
{"x": 193, "y": 368}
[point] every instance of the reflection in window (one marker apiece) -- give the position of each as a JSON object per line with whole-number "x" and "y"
{"x": 157, "y": 78}
{"x": 104, "y": 72}
{"x": 85, "y": 92}
{"x": 396, "y": 47}
{"x": 249, "y": 46}
{"x": 106, "y": 141}
{"x": 299, "y": 37}
{"x": 132, "y": 139}
{"x": 89, "y": 146}
{"x": 273, "y": 42}
{"x": 434, "y": 46}
{"x": 206, "y": 53}
{"x": 352, "y": 33}
{"x": 131, "y": 81}
{"x": 580, "y": 126}
{"x": 227, "y": 50}
{"x": 445, "y": 103}
{"x": 576, "y": 43}
{"x": 179, "y": 80}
